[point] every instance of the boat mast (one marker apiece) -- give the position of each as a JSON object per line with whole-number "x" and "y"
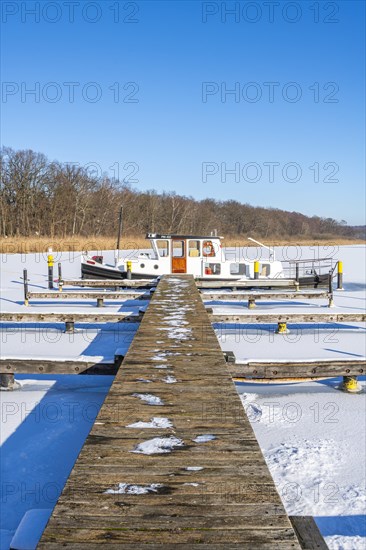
{"x": 116, "y": 256}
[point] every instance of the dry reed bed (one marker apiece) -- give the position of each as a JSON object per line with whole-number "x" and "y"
{"x": 24, "y": 245}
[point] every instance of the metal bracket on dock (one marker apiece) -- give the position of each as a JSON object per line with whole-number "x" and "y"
{"x": 229, "y": 356}
{"x": 69, "y": 327}
{"x": 7, "y": 382}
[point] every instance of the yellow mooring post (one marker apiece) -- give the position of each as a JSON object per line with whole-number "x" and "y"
{"x": 251, "y": 302}
{"x": 282, "y": 328}
{"x": 256, "y": 269}
{"x": 50, "y": 268}
{"x": 350, "y": 384}
{"x": 340, "y": 276}
{"x": 129, "y": 269}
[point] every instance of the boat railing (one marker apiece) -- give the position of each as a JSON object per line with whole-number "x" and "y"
{"x": 306, "y": 267}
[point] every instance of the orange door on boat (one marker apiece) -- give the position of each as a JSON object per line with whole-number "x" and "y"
{"x": 179, "y": 260}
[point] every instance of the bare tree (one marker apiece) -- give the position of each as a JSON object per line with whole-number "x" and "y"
{"x": 55, "y": 199}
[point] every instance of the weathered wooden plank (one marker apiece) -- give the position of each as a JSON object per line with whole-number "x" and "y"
{"x": 245, "y": 296}
{"x": 285, "y": 545}
{"x": 172, "y": 535}
{"x": 111, "y": 283}
{"x": 308, "y": 533}
{"x": 214, "y": 492}
{"x": 317, "y": 317}
{"x": 212, "y": 470}
{"x": 298, "y": 369}
{"x": 250, "y": 283}
{"x": 216, "y": 510}
{"x": 91, "y": 295}
{"x": 50, "y": 366}
{"x": 164, "y": 521}
{"x": 72, "y": 317}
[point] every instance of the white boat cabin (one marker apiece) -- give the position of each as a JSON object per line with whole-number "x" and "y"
{"x": 198, "y": 256}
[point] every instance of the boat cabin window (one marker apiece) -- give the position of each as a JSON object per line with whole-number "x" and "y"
{"x": 212, "y": 269}
{"x": 178, "y": 249}
{"x": 193, "y": 249}
{"x": 163, "y": 248}
{"x": 208, "y": 249}
{"x": 239, "y": 269}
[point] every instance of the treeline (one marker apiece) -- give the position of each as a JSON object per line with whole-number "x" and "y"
{"x": 51, "y": 199}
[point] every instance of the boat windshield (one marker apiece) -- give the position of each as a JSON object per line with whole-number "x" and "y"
{"x": 162, "y": 246}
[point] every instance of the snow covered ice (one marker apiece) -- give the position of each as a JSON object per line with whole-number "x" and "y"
{"x": 311, "y": 434}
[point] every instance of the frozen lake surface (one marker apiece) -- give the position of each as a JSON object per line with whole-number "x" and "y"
{"x": 311, "y": 434}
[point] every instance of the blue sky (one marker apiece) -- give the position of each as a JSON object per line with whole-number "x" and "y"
{"x": 301, "y": 149}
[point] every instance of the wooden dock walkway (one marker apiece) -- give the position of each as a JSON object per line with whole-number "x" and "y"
{"x": 248, "y": 283}
{"x": 205, "y": 484}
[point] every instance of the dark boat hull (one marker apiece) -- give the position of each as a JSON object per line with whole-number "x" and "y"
{"x": 314, "y": 280}
{"x": 102, "y": 271}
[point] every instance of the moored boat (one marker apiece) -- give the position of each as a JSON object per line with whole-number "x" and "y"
{"x": 200, "y": 256}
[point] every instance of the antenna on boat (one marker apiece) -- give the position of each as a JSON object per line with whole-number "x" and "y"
{"x": 271, "y": 250}
{"x": 119, "y": 234}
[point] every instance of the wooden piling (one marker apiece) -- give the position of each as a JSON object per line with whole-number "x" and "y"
{"x": 25, "y": 286}
{"x": 330, "y": 289}
{"x": 60, "y": 281}
{"x": 50, "y": 268}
